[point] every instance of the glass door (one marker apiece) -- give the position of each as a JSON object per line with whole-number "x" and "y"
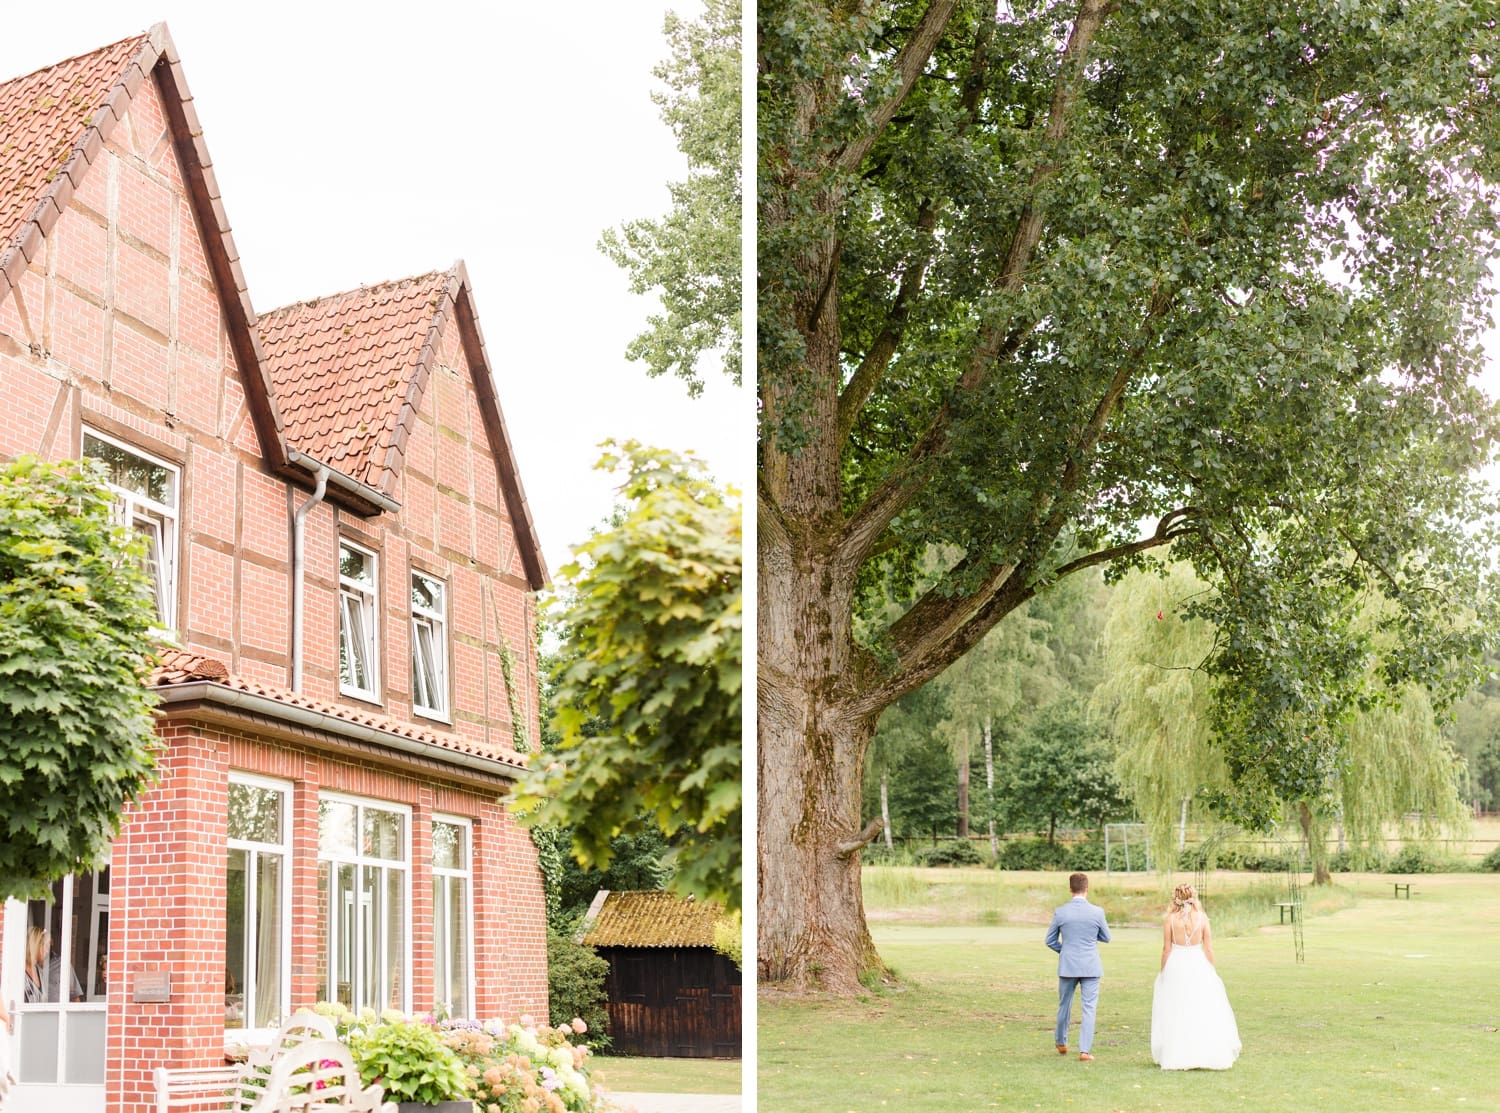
{"x": 56, "y": 972}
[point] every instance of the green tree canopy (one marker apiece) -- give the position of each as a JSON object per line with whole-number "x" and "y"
{"x": 76, "y": 641}
{"x": 649, "y": 697}
{"x": 910, "y": 753}
{"x": 690, "y": 258}
{"x": 1061, "y": 772}
{"x": 1389, "y": 758}
{"x": 1031, "y": 275}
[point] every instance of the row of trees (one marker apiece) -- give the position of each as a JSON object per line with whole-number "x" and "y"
{"x": 1068, "y": 728}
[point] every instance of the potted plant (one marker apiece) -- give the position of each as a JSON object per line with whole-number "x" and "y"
{"x": 410, "y": 1062}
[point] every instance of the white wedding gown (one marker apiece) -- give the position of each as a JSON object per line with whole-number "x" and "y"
{"x": 1192, "y": 1025}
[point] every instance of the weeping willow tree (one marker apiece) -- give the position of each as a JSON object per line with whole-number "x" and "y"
{"x": 1393, "y": 761}
{"x": 1155, "y": 695}
{"x": 1399, "y": 768}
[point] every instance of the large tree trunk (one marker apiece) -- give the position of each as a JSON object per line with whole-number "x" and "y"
{"x": 812, "y": 746}
{"x": 963, "y": 795}
{"x": 885, "y": 807}
{"x": 989, "y": 784}
{"x": 811, "y": 911}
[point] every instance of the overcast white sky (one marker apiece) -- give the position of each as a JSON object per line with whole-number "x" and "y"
{"x": 360, "y": 143}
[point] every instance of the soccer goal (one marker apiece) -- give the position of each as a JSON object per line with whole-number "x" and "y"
{"x": 1127, "y": 848}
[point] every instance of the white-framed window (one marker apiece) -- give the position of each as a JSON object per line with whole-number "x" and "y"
{"x": 429, "y": 645}
{"x": 146, "y": 494}
{"x": 452, "y": 915}
{"x": 257, "y": 923}
{"x": 364, "y": 903}
{"x": 359, "y": 657}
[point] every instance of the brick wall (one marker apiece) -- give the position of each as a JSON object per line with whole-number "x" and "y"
{"x": 168, "y": 910}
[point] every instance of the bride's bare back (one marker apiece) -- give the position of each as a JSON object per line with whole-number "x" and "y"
{"x": 1186, "y": 924}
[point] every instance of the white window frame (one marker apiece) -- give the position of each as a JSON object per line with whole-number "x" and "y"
{"x": 354, "y": 594}
{"x": 436, "y": 622}
{"x": 131, "y": 506}
{"x": 250, "y": 1034}
{"x": 466, "y": 875}
{"x": 360, "y": 861}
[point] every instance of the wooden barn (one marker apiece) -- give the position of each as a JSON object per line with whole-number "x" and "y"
{"x": 670, "y": 993}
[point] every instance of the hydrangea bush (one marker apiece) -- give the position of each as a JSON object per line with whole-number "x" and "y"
{"x": 522, "y": 1067}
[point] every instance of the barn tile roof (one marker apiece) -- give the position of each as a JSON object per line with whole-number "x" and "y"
{"x": 650, "y": 919}
{"x": 342, "y": 366}
{"x": 178, "y": 666}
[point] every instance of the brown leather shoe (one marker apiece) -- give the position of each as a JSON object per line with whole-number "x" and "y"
{"x": 1084, "y": 1056}
{"x": 1062, "y": 1049}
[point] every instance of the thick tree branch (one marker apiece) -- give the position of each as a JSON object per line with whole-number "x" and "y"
{"x": 999, "y": 339}
{"x": 871, "y": 369}
{"x": 966, "y": 634}
{"x": 909, "y": 63}
{"x": 857, "y": 390}
{"x": 896, "y": 492}
{"x": 1168, "y": 529}
{"x": 861, "y": 840}
{"x": 935, "y": 618}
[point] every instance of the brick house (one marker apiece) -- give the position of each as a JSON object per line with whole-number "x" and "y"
{"x": 345, "y": 568}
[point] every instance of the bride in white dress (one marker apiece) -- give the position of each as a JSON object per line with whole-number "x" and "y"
{"x": 1192, "y": 1024}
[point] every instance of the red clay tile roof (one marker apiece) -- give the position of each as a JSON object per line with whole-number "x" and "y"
{"x": 652, "y": 919}
{"x": 349, "y": 371}
{"x": 342, "y": 365}
{"x": 43, "y": 115}
{"x": 52, "y": 123}
{"x": 177, "y": 666}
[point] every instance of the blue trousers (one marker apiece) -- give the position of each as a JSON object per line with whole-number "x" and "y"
{"x": 1065, "y": 988}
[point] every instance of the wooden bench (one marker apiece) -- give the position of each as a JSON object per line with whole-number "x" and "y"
{"x": 1286, "y": 907}
{"x": 1402, "y": 887}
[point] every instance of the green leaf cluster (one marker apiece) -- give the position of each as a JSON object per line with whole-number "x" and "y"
{"x": 77, "y": 619}
{"x": 575, "y": 987}
{"x": 409, "y": 1061}
{"x": 690, "y": 258}
{"x": 648, "y": 696}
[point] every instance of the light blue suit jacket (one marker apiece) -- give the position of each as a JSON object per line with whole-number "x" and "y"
{"x": 1077, "y": 929}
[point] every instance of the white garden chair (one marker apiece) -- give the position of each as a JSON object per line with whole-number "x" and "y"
{"x": 318, "y": 1075}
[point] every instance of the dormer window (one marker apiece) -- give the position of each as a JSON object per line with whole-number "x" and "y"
{"x": 429, "y": 646}
{"x": 359, "y": 673}
{"x": 146, "y": 497}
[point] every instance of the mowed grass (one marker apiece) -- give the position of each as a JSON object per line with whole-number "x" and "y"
{"x": 1395, "y": 1008}
{"x": 632, "y": 1075}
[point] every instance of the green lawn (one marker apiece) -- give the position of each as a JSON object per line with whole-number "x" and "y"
{"x": 666, "y": 1076}
{"x": 1395, "y": 1008}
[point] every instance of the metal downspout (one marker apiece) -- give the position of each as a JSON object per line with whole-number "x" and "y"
{"x": 299, "y": 534}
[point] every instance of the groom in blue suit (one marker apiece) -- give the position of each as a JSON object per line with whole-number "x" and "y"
{"x": 1077, "y": 929}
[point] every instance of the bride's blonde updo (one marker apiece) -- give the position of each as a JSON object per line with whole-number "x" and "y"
{"x": 1185, "y": 897}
